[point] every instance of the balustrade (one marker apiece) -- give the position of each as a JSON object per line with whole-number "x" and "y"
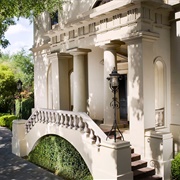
{"x": 67, "y": 119}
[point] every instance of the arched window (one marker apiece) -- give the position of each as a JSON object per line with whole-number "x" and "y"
{"x": 159, "y": 92}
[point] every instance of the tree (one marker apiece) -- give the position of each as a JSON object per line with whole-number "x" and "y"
{"x": 7, "y": 88}
{"x": 22, "y": 66}
{"x": 22, "y": 8}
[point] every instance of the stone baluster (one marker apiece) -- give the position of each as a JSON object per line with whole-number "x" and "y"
{"x": 70, "y": 121}
{"x": 43, "y": 117}
{"x": 86, "y": 129}
{"x": 75, "y": 122}
{"x": 50, "y": 117}
{"x": 66, "y": 121}
{"x": 80, "y": 124}
{"x": 40, "y": 116}
{"x": 62, "y": 120}
{"x": 92, "y": 136}
{"x": 57, "y": 119}
{"x": 53, "y": 119}
{"x": 98, "y": 140}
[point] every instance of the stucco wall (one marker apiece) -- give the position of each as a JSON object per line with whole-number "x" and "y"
{"x": 40, "y": 80}
{"x": 73, "y": 10}
{"x": 42, "y": 24}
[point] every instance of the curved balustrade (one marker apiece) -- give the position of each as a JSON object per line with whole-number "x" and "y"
{"x": 68, "y": 119}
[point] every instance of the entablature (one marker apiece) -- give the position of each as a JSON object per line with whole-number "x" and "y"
{"x": 111, "y": 25}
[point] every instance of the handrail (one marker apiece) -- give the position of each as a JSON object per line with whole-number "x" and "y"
{"x": 67, "y": 119}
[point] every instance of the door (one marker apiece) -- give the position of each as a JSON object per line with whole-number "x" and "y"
{"x": 123, "y": 97}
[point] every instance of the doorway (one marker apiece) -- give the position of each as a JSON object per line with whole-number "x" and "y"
{"x": 123, "y": 99}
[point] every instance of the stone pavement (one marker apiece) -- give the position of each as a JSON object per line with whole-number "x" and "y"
{"x": 13, "y": 167}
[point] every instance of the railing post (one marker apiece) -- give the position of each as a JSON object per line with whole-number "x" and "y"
{"x": 18, "y": 139}
{"x": 112, "y": 161}
{"x": 159, "y": 152}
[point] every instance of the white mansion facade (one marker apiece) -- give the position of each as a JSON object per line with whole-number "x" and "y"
{"x": 141, "y": 38}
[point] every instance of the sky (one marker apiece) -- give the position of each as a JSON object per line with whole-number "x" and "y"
{"x": 20, "y": 36}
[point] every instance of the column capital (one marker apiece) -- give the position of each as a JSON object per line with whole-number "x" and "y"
{"x": 143, "y": 35}
{"x": 59, "y": 55}
{"x": 78, "y": 51}
{"x": 112, "y": 45}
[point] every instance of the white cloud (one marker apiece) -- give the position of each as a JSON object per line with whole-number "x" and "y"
{"x": 16, "y": 29}
{"x": 20, "y": 36}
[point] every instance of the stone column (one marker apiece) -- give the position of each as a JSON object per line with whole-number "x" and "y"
{"x": 80, "y": 87}
{"x": 141, "y": 92}
{"x": 60, "y": 80}
{"x": 110, "y": 61}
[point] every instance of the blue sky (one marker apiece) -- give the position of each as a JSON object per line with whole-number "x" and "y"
{"x": 20, "y": 36}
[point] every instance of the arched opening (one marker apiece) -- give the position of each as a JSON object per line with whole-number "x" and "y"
{"x": 159, "y": 93}
{"x": 58, "y": 155}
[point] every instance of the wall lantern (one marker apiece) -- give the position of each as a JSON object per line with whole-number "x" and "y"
{"x": 114, "y": 86}
{"x": 19, "y": 88}
{"x": 19, "y": 85}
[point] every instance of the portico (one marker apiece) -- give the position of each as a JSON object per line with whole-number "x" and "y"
{"x": 134, "y": 38}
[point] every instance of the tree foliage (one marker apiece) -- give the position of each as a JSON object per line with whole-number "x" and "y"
{"x": 22, "y": 66}
{"x": 12, "y": 68}
{"x": 22, "y": 8}
{"x": 7, "y": 88}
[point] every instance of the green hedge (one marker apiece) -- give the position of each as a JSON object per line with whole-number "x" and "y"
{"x": 6, "y": 120}
{"x": 175, "y": 167}
{"x": 59, "y": 156}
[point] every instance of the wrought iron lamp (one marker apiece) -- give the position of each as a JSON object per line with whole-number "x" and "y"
{"x": 114, "y": 86}
{"x": 19, "y": 88}
{"x": 19, "y": 85}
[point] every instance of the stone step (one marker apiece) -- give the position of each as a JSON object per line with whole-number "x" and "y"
{"x": 132, "y": 150}
{"x": 135, "y": 157}
{"x": 138, "y": 164}
{"x": 143, "y": 173}
{"x": 154, "y": 177}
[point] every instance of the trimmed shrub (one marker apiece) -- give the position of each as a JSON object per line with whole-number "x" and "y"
{"x": 6, "y": 121}
{"x": 59, "y": 156}
{"x": 175, "y": 167}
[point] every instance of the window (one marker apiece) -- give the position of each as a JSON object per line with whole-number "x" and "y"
{"x": 54, "y": 18}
